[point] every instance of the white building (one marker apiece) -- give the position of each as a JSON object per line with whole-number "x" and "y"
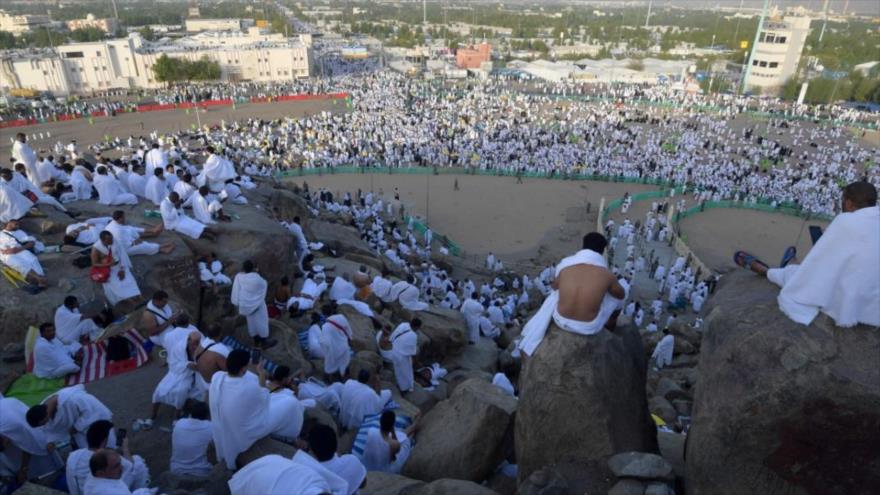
{"x": 778, "y": 52}
{"x": 20, "y": 24}
{"x": 84, "y": 68}
{"x": 108, "y": 25}
{"x": 199, "y": 25}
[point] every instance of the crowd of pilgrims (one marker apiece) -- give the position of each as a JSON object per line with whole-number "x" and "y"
{"x": 397, "y": 122}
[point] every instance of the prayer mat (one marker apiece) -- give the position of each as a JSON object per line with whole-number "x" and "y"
{"x": 32, "y": 390}
{"x": 372, "y": 421}
{"x": 95, "y": 365}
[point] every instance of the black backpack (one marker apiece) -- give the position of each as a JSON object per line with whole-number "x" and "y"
{"x": 118, "y": 348}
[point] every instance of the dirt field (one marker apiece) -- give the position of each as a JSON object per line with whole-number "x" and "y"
{"x": 542, "y": 220}
{"x": 538, "y": 218}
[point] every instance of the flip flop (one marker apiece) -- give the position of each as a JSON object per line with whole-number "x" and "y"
{"x": 790, "y": 253}
{"x": 745, "y": 260}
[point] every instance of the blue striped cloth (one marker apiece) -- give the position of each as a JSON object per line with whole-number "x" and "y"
{"x": 372, "y": 421}
{"x": 231, "y": 343}
{"x": 303, "y": 338}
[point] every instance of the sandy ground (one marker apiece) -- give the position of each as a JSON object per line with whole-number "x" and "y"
{"x": 141, "y": 124}
{"x": 518, "y": 222}
{"x": 543, "y": 220}
{"x": 716, "y": 234}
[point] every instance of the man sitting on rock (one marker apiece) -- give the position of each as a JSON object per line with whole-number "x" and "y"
{"x": 585, "y": 298}
{"x": 18, "y": 250}
{"x": 71, "y": 326}
{"x": 134, "y": 471}
{"x": 241, "y": 410}
{"x": 387, "y": 448}
{"x": 106, "y": 468}
{"x": 323, "y": 446}
{"x": 53, "y": 358}
{"x": 70, "y": 410}
{"x": 361, "y": 397}
{"x": 839, "y": 276}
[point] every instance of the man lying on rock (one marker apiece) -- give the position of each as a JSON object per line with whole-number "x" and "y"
{"x": 840, "y": 276}
{"x": 585, "y": 299}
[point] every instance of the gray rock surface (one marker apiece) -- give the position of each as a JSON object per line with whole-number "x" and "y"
{"x": 641, "y": 465}
{"x": 482, "y": 356}
{"x": 782, "y": 408}
{"x": 599, "y": 379}
{"x": 462, "y": 436}
{"x": 627, "y": 487}
{"x": 387, "y": 484}
{"x": 448, "y": 487}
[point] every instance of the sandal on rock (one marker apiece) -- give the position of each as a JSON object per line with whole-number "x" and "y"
{"x": 788, "y": 256}
{"x": 745, "y": 260}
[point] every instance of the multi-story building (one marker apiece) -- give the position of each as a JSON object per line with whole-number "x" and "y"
{"x": 778, "y": 52}
{"x": 84, "y": 68}
{"x": 20, "y": 24}
{"x": 199, "y": 25}
{"x": 472, "y": 57}
{"x": 108, "y": 25}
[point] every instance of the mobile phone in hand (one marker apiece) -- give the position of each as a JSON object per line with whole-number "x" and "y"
{"x": 255, "y": 356}
{"x": 120, "y": 434}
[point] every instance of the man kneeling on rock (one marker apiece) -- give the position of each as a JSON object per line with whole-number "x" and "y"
{"x": 586, "y": 298}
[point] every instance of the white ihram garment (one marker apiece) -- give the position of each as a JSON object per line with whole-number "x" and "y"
{"x": 534, "y": 331}
{"x": 249, "y": 294}
{"x": 840, "y": 276}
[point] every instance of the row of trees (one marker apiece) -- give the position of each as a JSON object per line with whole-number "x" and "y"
{"x": 855, "y": 87}
{"x": 43, "y": 38}
{"x": 170, "y": 69}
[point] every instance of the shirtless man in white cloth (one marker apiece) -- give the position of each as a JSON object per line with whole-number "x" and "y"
{"x": 585, "y": 298}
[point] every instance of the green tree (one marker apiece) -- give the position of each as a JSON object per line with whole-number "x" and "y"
{"x": 87, "y": 34}
{"x": 203, "y": 69}
{"x": 147, "y": 33}
{"x": 168, "y": 69}
{"x": 636, "y": 64}
{"x": 7, "y": 40}
{"x": 791, "y": 89}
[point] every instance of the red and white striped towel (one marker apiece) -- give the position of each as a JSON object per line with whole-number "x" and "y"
{"x": 95, "y": 365}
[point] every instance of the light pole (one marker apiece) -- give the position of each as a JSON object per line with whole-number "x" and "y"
{"x": 745, "y": 79}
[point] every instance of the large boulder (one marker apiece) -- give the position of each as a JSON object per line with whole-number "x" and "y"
{"x": 286, "y": 204}
{"x": 446, "y": 331}
{"x": 481, "y": 356}
{"x": 286, "y": 352}
{"x": 379, "y": 483}
{"x": 462, "y": 436}
{"x": 340, "y": 238}
{"x": 641, "y": 465}
{"x": 782, "y": 407}
{"x": 598, "y": 379}
{"x": 363, "y": 336}
{"x": 449, "y": 487}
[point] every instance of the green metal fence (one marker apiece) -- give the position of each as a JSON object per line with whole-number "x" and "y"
{"x": 762, "y": 205}
{"x": 444, "y": 241}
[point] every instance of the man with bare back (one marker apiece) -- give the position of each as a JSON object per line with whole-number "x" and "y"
{"x": 586, "y": 298}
